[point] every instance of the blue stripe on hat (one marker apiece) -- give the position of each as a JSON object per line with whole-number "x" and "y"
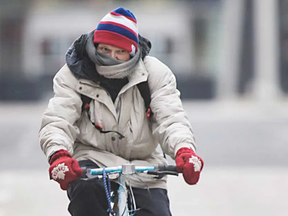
{"x": 118, "y": 30}
{"x": 124, "y": 12}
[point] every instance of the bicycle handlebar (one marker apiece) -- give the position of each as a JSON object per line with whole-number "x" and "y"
{"x": 159, "y": 170}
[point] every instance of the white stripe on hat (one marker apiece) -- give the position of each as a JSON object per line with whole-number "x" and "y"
{"x": 122, "y": 20}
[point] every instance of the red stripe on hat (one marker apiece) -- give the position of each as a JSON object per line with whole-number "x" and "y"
{"x": 120, "y": 25}
{"x": 117, "y": 14}
{"x": 114, "y": 39}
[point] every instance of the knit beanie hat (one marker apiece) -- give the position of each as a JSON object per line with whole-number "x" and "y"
{"x": 118, "y": 28}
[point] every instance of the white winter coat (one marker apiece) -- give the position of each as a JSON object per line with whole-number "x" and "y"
{"x": 64, "y": 126}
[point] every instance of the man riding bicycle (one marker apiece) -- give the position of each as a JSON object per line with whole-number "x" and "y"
{"x": 116, "y": 125}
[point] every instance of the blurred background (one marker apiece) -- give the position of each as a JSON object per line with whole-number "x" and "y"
{"x": 230, "y": 58}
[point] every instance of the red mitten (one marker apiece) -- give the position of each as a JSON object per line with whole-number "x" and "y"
{"x": 64, "y": 169}
{"x": 189, "y": 164}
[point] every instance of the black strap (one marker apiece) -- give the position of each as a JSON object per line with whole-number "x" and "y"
{"x": 145, "y": 93}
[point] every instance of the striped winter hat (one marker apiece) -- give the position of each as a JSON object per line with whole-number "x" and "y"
{"x": 118, "y": 28}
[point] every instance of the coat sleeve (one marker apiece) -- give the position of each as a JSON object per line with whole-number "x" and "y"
{"x": 58, "y": 130}
{"x": 170, "y": 123}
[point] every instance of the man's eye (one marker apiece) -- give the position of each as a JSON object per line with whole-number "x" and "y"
{"x": 104, "y": 49}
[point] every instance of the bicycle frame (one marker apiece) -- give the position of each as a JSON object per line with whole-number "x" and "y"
{"x": 129, "y": 169}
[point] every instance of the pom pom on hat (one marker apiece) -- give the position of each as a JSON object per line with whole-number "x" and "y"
{"x": 118, "y": 28}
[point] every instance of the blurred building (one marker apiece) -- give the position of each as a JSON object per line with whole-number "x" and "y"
{"x": 217, "y": 49}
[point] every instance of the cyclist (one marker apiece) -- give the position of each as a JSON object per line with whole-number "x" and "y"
{"x": 106, "y": 65}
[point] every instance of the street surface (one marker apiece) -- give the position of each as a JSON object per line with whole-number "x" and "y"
{"x": 244, "y": 145}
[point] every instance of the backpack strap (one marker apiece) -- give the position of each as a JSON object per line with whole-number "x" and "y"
{"x": 146, "y": 95}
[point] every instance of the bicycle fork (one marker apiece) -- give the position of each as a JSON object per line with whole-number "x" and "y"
{"x": 122, "y": 208}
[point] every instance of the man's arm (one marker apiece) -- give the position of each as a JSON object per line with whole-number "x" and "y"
{"x": 58, "y": 129}
{"x": 171, "y": 126}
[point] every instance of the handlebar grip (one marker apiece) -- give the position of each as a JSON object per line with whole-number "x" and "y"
{"x": 171, "y": 168}
{"x": 161, "y": 173}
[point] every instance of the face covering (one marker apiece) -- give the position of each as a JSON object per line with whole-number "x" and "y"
{"x": 109, "y": 67}
{"x": 114, "y": 69}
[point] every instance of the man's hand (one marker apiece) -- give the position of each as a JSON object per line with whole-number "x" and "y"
{"x": 189, "y": 164}
{"x": 64, "y": 169}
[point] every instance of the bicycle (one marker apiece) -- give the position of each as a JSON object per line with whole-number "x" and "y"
{"x": 118, "y": 202}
